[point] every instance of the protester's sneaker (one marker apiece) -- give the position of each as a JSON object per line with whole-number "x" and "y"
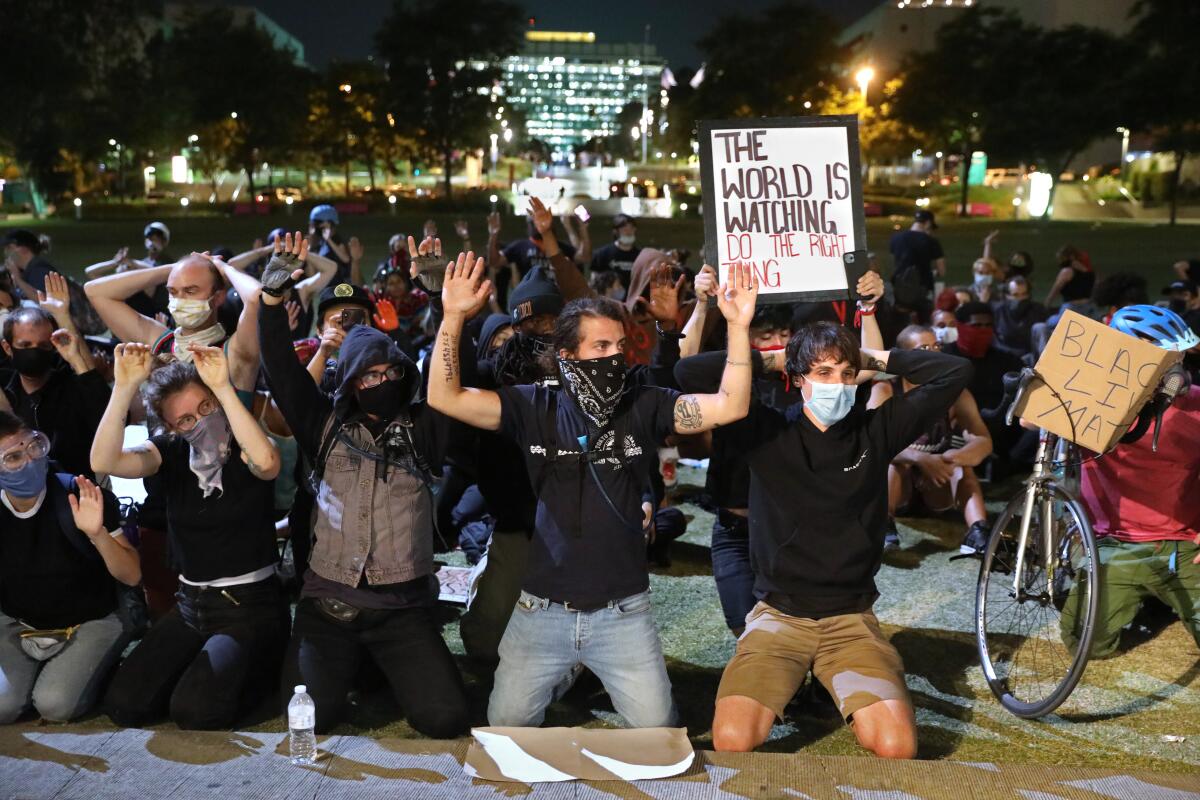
{"x": 975, "y": 542}
{"x": 891, "y": 536}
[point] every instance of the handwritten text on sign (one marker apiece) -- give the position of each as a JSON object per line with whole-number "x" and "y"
{"x": 1102, "y": 378}
{"x": 784, "y": 205}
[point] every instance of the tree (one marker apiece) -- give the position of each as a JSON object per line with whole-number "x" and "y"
{"x": 881, "y": 134}
{"x": 1164, "y": 81}
{"x": 770, "y": 64}
{"x": 439, "y": 58}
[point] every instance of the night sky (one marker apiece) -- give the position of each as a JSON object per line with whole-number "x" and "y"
{"x": 345, "y": 30}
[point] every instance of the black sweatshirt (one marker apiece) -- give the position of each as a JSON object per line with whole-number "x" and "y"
{"x": 818, "y": 499}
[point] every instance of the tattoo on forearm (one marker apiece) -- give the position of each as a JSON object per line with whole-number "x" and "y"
{"x": 450, "y": 357}
{"x": 876, "y": 364}
{"x": 687, "y": 413}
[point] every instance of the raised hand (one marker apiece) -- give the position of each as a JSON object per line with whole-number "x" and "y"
{"x": 736, "y": 298}
{"x": 284, "y": 269}
{"x": 88, "y": 509}
{"x": 56, "y": 300}
{"x": 429, "y": 229}
{"x": 293, "y": 311}
{"x": 426, "y": 263}
{"x": 331, "y": 339}
{"x": 664, "y": 295}
{"x": 460, "y": 227}
{"x": 870, "y": 288}
{"x": 493, "y": 223}
{"x": 64, "y": 342}
{"x": 464, "y": 292}
{"x": 211, "y": 365}
{"x": 131, "y": 364}
{"x": 356, "y": 249}
{"x": 543, "y": 219}
{"x": 706, "y": 283}
{"x": 386, "y": 318}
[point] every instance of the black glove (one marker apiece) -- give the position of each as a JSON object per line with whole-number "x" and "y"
{"x": 277, "y": 276}
{"x": 431, "y": 273}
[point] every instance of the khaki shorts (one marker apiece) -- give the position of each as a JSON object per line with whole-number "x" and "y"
{"x": 848, "y": 654}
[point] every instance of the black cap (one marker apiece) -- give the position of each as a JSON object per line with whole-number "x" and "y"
{"x": 1181, "y": 286}
{"x": 343, "y": 294}
{"x": 623, "y": 219}
{"x": 925, "y": 215}
{"x": 535, "y": 294}
{"x": 23, "y": 238}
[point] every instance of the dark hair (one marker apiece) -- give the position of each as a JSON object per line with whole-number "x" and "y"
{"x": 604, "y": 280}
{"x": 771, "y": 318}
{"x": 964, "y": 312}
{"x": 1120, "y": 289}
{"x": 566, "y": 327}
{"x": 24, "y": 238}
{"x": 909, "y": 335}
{"x": 26, "y": 315}
{"x": 164, "y": 381}
{"x": 11, "y": 424}
{"x": 821, "y": 340}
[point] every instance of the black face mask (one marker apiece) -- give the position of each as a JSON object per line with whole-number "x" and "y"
{"x": 34, "y": 362}
{"x": 384, "y": 400}
{"x": 596, "y": 384}
{"x": 519, "y": 360}
{"x": 1017, "y": 306}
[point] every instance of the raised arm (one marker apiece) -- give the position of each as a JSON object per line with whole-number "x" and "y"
{"x": 104, "y": 267}
{"x": 495, "y": 259}
{"x": 243, "y": 345}
{"x": 258, "y": 451}
{"x": 355, "y": 249}
{"x": 88, "y": 512}
{"x": 1064, "y": 276}
{"x": 693, "y": 331}
{"x": 242, "y": 261}
{"x": 67, "y": 340}
{"x": 131, "y": 367}
{"x": 870, "y": 287}
{"x": 312, "y": 285}
{"x": 464, "y": 293}
{"x": 695, "y": 413}
{"x": 567, "y": 276}
{"x": 989, "y": 245}
{"x": 108, "y": 296}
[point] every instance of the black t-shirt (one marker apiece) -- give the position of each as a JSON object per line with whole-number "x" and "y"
{"x": 919, "y": 249}
{"x": 526, "y": 254}
{"x": 612, "y": 257}
{"x": 45, "y": 581}
{"x": 68, "y": 410}
{"x": 1080, "y": 287}
{"x": 227, "y": 534}
{"x": 581, "y": 552}
{"x": 987, "y": 381}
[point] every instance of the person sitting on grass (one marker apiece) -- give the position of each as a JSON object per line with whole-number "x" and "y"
{"x": 939, "y": 466}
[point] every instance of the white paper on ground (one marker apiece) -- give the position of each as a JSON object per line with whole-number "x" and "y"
{"x": 532, "y": 755}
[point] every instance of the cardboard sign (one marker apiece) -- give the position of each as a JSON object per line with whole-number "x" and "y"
{"x": 536, "y": 755}
{"x": 785, "y": 197}
{"x": 1095, "y": 381}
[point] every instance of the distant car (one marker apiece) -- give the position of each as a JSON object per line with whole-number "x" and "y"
{"x": 279, "y": 194}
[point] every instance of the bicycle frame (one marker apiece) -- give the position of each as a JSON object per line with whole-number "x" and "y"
{"x": 1042, "y": 473}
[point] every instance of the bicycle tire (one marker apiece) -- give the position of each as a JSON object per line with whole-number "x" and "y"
{"x": 997, "y": 679}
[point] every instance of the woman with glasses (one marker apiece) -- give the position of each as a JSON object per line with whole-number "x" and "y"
{"x": 61, "y": 553}
{"x": 369, "y": 587}
{"x": 214, "y": 653}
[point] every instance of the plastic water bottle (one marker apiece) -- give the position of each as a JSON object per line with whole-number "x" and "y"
{"x": 302, "y": 719}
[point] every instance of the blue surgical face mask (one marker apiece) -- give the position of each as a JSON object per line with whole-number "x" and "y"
{"x": 28, "y": 481}
{"x": 830, "y": 402}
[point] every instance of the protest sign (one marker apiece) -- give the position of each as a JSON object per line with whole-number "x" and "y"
{"x": 1094, "y": 381}
{"x": 785, "y": 197}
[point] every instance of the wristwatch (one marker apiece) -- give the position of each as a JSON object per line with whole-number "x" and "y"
{"x": 667, "y": 334}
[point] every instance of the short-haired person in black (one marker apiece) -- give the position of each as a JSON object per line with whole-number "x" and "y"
{"x": 589, "y": 448}
{"x": 61, "y": 553}
{"x": 369, "y": 589}
{"x": 219, "y": 648}
{"x": 818, "y": 511}
{"x": 618, "y": 255}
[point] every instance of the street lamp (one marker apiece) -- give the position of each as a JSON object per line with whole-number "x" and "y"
{"x": 78, "y": 208}
{"x": 345, "y": 87}
{"x": 863, "y": 78}
{"x": 233, "y": 115}
{"x": 1124, "y": 148}
{"x": 635, "y": 132}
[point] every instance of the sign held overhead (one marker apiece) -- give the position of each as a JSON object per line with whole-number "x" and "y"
{"x": 784, "y": 196}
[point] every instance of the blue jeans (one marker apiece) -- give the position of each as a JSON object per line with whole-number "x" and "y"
{"x": 545, "y": 642}
{"x": 731, "y": 567}
{"x": 67, "y": 685}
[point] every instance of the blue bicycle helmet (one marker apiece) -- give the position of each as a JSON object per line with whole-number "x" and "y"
{"x": 1159, "y": 326}
{"x": 323, "y": 213}
{"x": 277, "y": 233}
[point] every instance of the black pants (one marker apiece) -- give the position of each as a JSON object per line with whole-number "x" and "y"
{"x": 406, "y": 644}
{"x": 207, "y": 661}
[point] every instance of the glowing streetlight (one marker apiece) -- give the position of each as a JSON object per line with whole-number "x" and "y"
{"x": 508, "y": 134}
{"x": 863, "y": 78}
{"x": 392, "y": 203}
{"x": 345, "y": 87}
{"x": 78, "y": 208}
{"x": 635, "y": 133}
{"x": 233, "y": 115}
{"x": 183, "y": 201}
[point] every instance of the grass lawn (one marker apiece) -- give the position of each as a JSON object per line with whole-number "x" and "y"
{"x": 1146, "y": 249}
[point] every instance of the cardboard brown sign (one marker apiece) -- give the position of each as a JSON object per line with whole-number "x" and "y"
{"x": 1095, "y": 380}
{"x": 535, "y": 755}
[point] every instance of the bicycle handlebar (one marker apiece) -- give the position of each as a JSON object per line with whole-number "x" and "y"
{"x": 1015, "y": 384}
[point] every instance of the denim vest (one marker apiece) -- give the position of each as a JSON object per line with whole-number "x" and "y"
{"x": 371, "y": 515}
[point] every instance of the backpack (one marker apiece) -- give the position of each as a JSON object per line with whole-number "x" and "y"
{"x": 131, "y": 600}
{"x": 909, "y": 291}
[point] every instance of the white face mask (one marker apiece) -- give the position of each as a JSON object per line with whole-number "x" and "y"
{"x": 626, "y": 240}
{"x": 189, "y": 313}
{"x": 983, "y": 280}
{"x": 946, "y": 335}
{"x": 830, "y": 402}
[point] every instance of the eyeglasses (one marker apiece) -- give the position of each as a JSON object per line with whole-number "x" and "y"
{"x": 370, "y": 380}
{"x": 188, "y": 422}
{"x": 17, "y": 457}
{"x": 928, "y": 347}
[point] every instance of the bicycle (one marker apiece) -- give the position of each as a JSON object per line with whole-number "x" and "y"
{"x": 1038, "y": 587}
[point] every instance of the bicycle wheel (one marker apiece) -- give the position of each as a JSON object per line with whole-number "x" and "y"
{"x": 1034, "y": 641}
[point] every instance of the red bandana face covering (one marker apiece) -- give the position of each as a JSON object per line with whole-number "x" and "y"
{"x": 974, "y": 340}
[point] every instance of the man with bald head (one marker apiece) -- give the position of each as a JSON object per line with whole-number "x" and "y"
{"x": 196, "y": 285}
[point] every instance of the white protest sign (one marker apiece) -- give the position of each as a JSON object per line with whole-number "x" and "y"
{"x": 784, "y": 196}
